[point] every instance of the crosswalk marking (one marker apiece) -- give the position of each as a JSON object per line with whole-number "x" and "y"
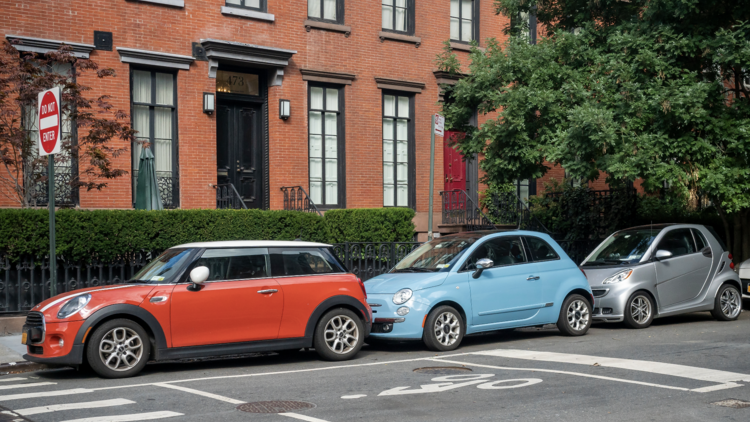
{"x": 71, "y": 406}
{"x": 201, "y": 393}
{"x": 36, "y": 384}
{"x": 129, "y": 418}
{"x": 11, "y": 379}
{"x": 45, "y": 394}
{"x": 301, "y": 417}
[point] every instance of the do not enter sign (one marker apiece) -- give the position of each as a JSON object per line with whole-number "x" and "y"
{"x": 49, "y": 121}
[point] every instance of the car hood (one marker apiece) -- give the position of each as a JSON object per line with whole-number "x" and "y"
{"x": 745, "y": 269}
{"x": 595, "y": 275}
{"x": 393, "y": 282}
{"x": 100, "y": 297}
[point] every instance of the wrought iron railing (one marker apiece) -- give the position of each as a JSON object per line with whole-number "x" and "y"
{"x": 64, "y": 192}
{"x": 368, "y": 260}
{"x": 169, "y": 189}
{"x": 297, "y": 199}
{"x": 507, "y": 208}
{"x": 460, "y": 209}
{"x": 227, "y": 197}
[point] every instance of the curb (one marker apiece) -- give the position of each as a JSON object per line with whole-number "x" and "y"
{"x": 24, "y": 366}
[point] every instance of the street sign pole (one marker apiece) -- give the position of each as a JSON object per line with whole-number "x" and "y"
{"x": 52, "y": 256}
{"x": 432, "y": 178}
{"x": 49, "y": 116}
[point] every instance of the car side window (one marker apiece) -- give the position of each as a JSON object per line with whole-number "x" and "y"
{"x": 540, "y": 250}
{"x": 235, "y": 264}
{"x": 307, "y": 261}
{"x": 679, "y": 242}
{"x": 700, "y": 240}
{"x": 505, "y": 250}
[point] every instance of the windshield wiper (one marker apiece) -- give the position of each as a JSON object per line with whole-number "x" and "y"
{"x": 135, "y": 281}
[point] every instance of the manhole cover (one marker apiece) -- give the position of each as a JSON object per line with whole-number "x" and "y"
{"x": 733, "y": 403}
{"x": 277, "y": 406}
{"x": 442, "y": 370}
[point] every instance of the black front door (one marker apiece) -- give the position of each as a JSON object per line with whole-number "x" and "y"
{"x": 240, "y": 150}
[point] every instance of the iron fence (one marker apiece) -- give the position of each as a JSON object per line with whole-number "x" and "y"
{"x": 368, "y": 260}
{"x": 460, "y": 209}
{"x": 227, "y": 197}
{"x": 297, "y": 199}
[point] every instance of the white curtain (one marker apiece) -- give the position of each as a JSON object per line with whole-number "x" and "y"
{"x": 141, "y": 124}
{"x": 164, "y": 89}
{"x": 313, "y": 8}
{"x": 329, "y": 9}
{"x": 387, "y": 14}
{"x": 400, "y": 15}
{"x": 163, "y": 139}
{"x": 141, "y": 86}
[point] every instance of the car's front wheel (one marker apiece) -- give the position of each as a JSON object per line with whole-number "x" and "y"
{"x": 575, "y": 316}
{"x": 639, "y": 310}
{"x": 444, "y": 329}
{"x": 118, "y": 349}
{"x": 339, "y": 335}
{"x": 728, "y": 303}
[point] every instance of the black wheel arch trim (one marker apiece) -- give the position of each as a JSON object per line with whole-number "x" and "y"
{"x": 332, "y": 302}
{"x": 125, "y": 310}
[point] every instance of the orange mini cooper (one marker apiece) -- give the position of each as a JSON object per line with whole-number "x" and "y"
{"x": 207, "y": 299}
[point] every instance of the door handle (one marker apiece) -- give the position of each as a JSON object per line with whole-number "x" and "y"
{"x": 267, "y": 291}
{"x": 531, "y": 277}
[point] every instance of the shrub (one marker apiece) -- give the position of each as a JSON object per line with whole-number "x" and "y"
{"x": 371, "y": 225}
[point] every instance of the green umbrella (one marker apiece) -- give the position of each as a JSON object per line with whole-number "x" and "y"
{"x": 147, "y": 191}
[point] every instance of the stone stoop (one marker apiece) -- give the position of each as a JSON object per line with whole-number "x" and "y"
{"x": 11, "y": 324}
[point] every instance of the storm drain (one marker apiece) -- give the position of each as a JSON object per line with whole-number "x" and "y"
{"x": 443, "y": 370}
{"x": 277, "y": 406}
{"x": 733, "y": 403}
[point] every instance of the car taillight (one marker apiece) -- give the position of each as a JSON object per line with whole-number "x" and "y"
{"x": 730, "y": 256}
{"x": 731, "y": 265}
{"x": 362, "y": 286}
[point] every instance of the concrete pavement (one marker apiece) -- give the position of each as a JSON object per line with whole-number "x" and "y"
{"x": 11, "y": 349}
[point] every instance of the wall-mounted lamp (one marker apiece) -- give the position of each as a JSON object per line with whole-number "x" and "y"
{"x": 285, "y": 109}
{"x": 209, "y": 103}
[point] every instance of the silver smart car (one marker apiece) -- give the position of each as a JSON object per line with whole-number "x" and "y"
{"x": 646, "y": 272}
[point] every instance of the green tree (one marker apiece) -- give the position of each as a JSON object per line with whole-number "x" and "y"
{"x": 649, "y": 89}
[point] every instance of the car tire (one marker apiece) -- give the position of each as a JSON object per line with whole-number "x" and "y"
{"x": 444, "y": 329}
{"x": 575, "y": 316}
{"x": 639, "y": 310}
{"x": 121, "y": 339}
{"x": 727, "y": 304}
{"x": 334, "y": 334}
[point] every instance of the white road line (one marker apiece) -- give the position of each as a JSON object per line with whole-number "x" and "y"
{"x": 11, "y": 379}
{"x": 129, "y": 418}
{"x": 45, "y": 394}
{"x": 716, "y": 387}
{"x": 692, "y": 372}
{"x": 553, "y": 371}
{"x": 302, "y": 417}
{"x": 36, "y": 384}
{"x": 201, "y": 393}
{"x": 354, "y": 396}
{"x": 71, "y": 406}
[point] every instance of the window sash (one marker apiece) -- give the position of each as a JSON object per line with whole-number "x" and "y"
{"x": 397, "y": 156}
{"x": 397, "y": 15}
{"x": 463, "y": 27}
{"x": 248, "y": 4}
{"x": 326, "y": 10}
{"x": 325, "y": 135}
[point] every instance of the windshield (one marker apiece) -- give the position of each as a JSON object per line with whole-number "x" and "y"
{"x": 625, "y": 247}
{"x": 437, "y": 255}
{"x": 165, "y": 268}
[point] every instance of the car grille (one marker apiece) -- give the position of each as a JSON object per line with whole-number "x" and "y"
{"x": 599, "y": 292}
{"x": 34, "y": 319}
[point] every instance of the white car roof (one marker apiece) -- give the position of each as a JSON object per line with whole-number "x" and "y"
{"x": 254, "y": 244}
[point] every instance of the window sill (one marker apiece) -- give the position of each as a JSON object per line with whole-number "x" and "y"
{"x": 309, "y": 24}
{"x": 400, "y": 37}
{"x": 247, "y": 13}
{"x": 174, "y": 3}
{"x": 460, "y": 46}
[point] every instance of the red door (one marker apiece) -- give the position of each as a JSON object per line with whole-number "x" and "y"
{"x": 454, "y": 167}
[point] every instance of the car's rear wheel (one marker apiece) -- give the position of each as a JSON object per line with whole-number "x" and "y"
{"x": 118, "y": 349}
{"x": 575, "y": 316}
{"x": 728, "y": 303}
{"x": 444, "y": 329}
{"x": 339, "y": 335}
{"x": 639, "y": 310}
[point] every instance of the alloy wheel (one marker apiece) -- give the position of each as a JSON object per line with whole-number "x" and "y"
{"x": 578, "y": 315}
{"x": 640, "y": 309}
{"x": 121, "y": 349}
{"x": 341, "y": 334}
{"x": 447, "y": 328}
{"x": 730, "y": 303}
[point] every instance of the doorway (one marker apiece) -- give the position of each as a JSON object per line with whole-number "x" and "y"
{"x": 239, "y": 149}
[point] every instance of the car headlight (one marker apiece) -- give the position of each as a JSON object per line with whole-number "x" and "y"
{"x": 74, "y": 305}
{"x": 618, "y": 277}
{"x": 402, "y": 296}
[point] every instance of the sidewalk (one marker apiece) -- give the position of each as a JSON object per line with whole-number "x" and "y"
{"x": 11, "y": 349}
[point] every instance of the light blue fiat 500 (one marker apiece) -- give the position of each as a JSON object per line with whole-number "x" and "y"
{"x": 472, "y": 282}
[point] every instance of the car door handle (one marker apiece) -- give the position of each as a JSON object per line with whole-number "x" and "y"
{"x": 531, "y": 277}
{"x": 267, "y": 291}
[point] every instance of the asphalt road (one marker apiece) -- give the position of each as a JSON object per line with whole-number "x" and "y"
{"x": 673, "y": 371}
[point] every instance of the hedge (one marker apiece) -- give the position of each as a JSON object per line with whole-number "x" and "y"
{"x": 110, "y": 234}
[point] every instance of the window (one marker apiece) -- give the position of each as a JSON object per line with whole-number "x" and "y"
{"x": 679, "y": 242}
{"x": 540, "y": 250}
{"x": 525, "y": 188}
{"x": 398, "y": 16}
{"x": 398, "y": 133}
{"x": 154, "y": 106}
{"x": 326, "y": 10}
{"x": 700, "y": 240}
{"x": 527, "y": 22}
{"x": 326, "y": 143}
{"x": 504, "y": 250}
{"x": 248, "y": 4}
{"x": 464, "y": 25}
{"x": 235, "y": 264}
{"x": 294, "y": 262}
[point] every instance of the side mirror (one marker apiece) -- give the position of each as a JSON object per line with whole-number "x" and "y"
{"x": 482, "y": 265}
{"x": 662, "y": 254}
{"x": 198, "y": 276}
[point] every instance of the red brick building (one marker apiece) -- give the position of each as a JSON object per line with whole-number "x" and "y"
{"x": 358, "y": 77}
